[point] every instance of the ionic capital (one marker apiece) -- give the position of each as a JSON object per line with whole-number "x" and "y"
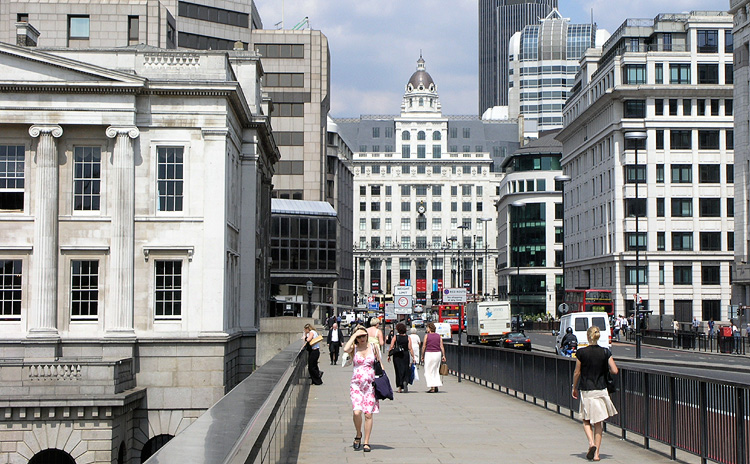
{"x": 114, "y": 131}
{"x": 38, "y": 129}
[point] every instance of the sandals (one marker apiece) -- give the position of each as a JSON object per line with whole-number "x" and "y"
{"x": 590, "y": 454}
{"x": 357, "y": 442}
{"x": 366, "y": 448}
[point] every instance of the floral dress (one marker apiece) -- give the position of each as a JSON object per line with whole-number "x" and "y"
{"x": 361, "y": 391}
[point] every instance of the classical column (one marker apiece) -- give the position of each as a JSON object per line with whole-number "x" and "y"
{"x": 43, "y": 320}
{"x": 119, "y": 313}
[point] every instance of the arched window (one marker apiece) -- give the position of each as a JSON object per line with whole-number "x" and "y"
{"x": 52, "y": 456}
{"x": 420, "y": 135}
{"x": 405, "y": 135}
{"x": 436, "y": 135}
{"x": 153, "y": 445}
{"x": 421, "y": 102}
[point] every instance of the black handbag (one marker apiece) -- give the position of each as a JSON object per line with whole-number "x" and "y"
{"x": 381, "y": 383}
{"x": 611, "y": 385}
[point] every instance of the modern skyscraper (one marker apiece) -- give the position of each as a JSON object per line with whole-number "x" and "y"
{"x": 543, "y": 62}
{"x": 498, "y": 21}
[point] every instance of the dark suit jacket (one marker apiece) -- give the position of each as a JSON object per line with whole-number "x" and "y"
{"x": 341, "y": 336}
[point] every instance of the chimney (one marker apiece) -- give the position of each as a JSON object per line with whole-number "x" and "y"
{"x": 26, "y": 34}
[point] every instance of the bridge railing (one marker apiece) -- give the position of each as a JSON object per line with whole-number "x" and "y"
{"x": 253, "y": 423}
{"x": 700, "y": 416}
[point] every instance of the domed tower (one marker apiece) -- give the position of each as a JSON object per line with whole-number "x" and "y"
{"x": 421, "y": 95}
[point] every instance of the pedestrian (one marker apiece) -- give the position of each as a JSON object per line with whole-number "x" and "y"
{"x": 593, "y": 363}
{"x": 375, "y": 335}
{"x": 618, "y": 327}
{"x": 696, "y": 324}
{"x": 415, "y": 343}
{"x": 335, "y": 338}
{"x": 711, "y": 328}
{"x": 736, "y": 337}
{"x": 361, "y": 391}
{"x": 433, "y": 353}
{"x": 401, "y": 351}
{"x": 313, "y": 354}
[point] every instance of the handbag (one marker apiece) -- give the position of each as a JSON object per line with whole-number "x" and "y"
{"x": 316, "y": 340}
{"x": 397, "y": 349}
{"x": 381, "y": 383}
{"x": 611, "y": 385}
{"x": 443, "y": 368}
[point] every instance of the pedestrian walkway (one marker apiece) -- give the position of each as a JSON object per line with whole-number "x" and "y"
{"x": 463, "y": 423}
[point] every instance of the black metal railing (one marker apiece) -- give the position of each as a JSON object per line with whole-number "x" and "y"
{"x": 700, "y": 416}
{"x": 253, "y": 423}
{"x": 690, "y": 340}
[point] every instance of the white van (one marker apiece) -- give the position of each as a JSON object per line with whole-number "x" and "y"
{"x": 580, "y": 322}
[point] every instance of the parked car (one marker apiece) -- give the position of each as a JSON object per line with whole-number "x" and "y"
{"x": 515, "y": 340}
{"x": 417, "y": 323}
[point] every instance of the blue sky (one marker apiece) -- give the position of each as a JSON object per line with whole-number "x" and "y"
{"x": 375, "y": 44}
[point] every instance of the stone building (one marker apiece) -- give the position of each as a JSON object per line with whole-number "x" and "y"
{"x": 654, "y": 212}
{"x": 135, "y": 192}
{"x": 425, "y": 187}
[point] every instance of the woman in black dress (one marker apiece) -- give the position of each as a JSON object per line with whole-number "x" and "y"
{"x": 402, "y": 354}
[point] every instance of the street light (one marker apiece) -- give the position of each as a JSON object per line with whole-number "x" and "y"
{"x": 460, "y": 264}
{"x": 563, "y": 179}
{"x": 460, "y": 313}
{"x": 484, "y": 265}
{"x": 453, "y": 271}
{"x": 518, "y": 204}
{"x": 309, "y": 298}
{"x": 637, "y": 137}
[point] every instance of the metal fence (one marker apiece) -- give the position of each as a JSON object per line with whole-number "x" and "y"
{"x": 696, "y": 415}
{"x": 688, "y": 340}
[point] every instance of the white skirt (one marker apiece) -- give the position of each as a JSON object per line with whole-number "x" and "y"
{"x": 432, "y": 368}
{"x": 596, "y": 405}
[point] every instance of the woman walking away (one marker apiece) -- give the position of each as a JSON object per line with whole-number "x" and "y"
{"x": 335, "y": 338}
{"x": 402, "y": 354}
{"x": 313, "y": 354}
{"x": 415, "y": 343}
{"x": 361, "y": 390}
{"x": 593, "y": 363}
{"x": 374, "y": 334}
{"x": 433, "y": 353}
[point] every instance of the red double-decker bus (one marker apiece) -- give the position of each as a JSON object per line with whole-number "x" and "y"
{"x": 596, "y": 300}
{"x": 451, "y": 314}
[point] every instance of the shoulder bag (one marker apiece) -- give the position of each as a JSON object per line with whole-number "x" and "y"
{"x": 381, "y": 383}
{"x": 443, "y": 368}
{"x": 611, "y": 385}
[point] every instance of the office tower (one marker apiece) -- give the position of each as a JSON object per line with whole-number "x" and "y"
{"x": 648, "y": 142}
{"x": 498, "y": 21}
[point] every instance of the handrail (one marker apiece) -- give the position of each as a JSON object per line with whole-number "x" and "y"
{"x": 697, "y": 415}
{"x": 250, "y": 422}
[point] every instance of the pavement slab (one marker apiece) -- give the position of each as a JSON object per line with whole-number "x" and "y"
{"x": 463, "y": 423}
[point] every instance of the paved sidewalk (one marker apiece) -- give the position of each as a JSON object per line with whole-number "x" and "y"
{"x": 464, "y": 423}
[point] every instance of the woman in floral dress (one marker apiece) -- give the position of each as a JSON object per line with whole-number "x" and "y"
{"x": 361, "y": 391}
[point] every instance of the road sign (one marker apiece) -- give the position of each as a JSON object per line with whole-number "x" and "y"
{"x": 563, "y": 308}
{"x": 402, "y": 304}
{"x": 370, "y": 299}
{"x": 373, "y": 306}
{"x": 402, "y": 290}
{"x": 454, "y": 295}
{"x": 637, "y": 298}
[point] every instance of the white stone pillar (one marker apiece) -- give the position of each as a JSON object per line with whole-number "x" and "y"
{"x": 43, "y": 314}
{"x": 118, "y": 320}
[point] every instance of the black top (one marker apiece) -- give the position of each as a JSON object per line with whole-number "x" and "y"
{"x": 594, "y": 367}
{"x": 403, "y": 341}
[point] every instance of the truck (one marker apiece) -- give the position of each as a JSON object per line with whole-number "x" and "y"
{"x": 487, "y": 321}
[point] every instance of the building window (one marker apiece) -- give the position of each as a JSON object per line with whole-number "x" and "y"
{"x": 84, "y": 290}
{"x": 660, "y": 139}
{"x": 363, "y": 206}
{"x": 730, "y": 241}
{"x": 133, "y": 30}
{"x": 708, "y": 139}
{"x": 709, "y": 173}
{"x": 682, "y": 173}
{"x": 284, "y": 80}
{"x": 660, "y": 207}
{"x": 436, "y": 135}
{"x": 729, "y": 73}
{"x": 708, "y": 73}
{"x": 673, "y": 107}
{"x": 421, "y": 223}
{"x": 679, "y": 73}
{"x": 710, "y": 241}
{"x": 405, "y": 135}
{"x": 659, "y": 173}
{"x": 421, "y": 151}
{"x": 405, "y": 206}
{"x": 683, "y": 275}
{"x": 728, "y": 107}
{"x": 634, "y": 74}
{"x": 661, "y": 242}
{"x": 635, "y": 174}
{"x": 708, "y": 41}
{"x": 388, "y": 132}
{"x": 709, "y": 207}
{"x": 635, "y": 275}
{"x": 635, "y": 208}
{"x": 215, "y": 15}
{"x": 437, "y": 206}
{"x": 375, "y": 223}
{"x": 682, "y": 207}
{"x": 454, "y": 206}
{"x": 87, "y": 163}
{"x": 78, "y": 27}
{"x": 375, "y": 132}
{"x": 12, "y": 166}
{"x": 714, "y": 107}
{"x": 710, "y": 275}
{"x": 730, "y": 142}
{"x": 635, "y": 242}
{"x": 667, "y": 42}
{"x": 682, "y": 241}
{"x": 405, "y": 151}
{"x": 375, "y": 206}
{"x": 289, "y": 110}
{"x": 687, "y": 107}
{"x": 635, "y": 108}
{"x": 170, "y": 178}
{"x": 278, "y": 50}
{"x": 436, "y": 151}
{"x": 362, "y": 224}
{"x": 421, "y": 135}
{"x": 168, "y": 289}
{"x": 405, "y": 224}
{"x": 10, "y": 289}
{"x": 659, "y": 107}
{"x": 292, "y": 139}
{"x": 730, "y": 207}
{"x": 680, "y": 140}
{"x": 659, "y": 73}
{"x": 467, "y": 132}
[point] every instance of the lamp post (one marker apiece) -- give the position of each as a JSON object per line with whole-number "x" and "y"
{"x": 356, "y": 271}
{"x": 518, "y": 204}
{"x": 309, "y": 298}
{"x": 453, "y": 271}
{"x": 460, "y": 313}
{"x": 484, "y": 263}
{"x": 637, "y": 137}
{"x": 463, "y": 227}
{"x": 563, "y": 179}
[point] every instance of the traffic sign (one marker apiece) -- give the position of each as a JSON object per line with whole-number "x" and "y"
{"x": 402, "y": 290}
{"x": 454, "y": 295}
{"x": 373, "y": 306}
{"x": 370, "y": 299}
{"x": 403, "y": 304}
{"x": 563, "y": 308}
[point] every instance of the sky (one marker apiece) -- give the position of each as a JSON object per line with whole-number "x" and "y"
{"x": 375, "y": 44}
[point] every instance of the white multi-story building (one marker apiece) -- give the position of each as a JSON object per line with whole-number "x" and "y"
{"x": 542, "y": 65}
{"x": 670, "y": 77}
{"x": 425, "y": 188}
{"x": 741, "y": 281}
{"x": 530, "y": 207}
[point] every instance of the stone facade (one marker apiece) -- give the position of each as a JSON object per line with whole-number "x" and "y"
{"x": 134, "y": 222}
